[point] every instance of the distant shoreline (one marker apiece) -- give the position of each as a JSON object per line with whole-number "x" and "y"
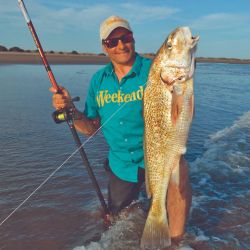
{"x": 55, "y": 58}
{"x": 85, "y": 58}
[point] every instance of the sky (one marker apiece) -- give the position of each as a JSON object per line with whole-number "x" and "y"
{"x": 66, "y": 25}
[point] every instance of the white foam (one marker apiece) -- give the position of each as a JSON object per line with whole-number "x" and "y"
{"x": 242, "y": 122}
{"x": 79, "y": 248}
{"x": 124, "y": 234}
{"x": 227, "y": 150}
{"x": 184, "y": 248}
{"x": 219, "y": 239}
{"x": 201, "y": 236}
{"x": 227, "y": 155}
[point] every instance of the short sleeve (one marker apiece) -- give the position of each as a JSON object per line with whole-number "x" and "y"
{"x": 91, "y": 108}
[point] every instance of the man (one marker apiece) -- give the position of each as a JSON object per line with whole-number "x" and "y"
{"x": 114, "y": 102}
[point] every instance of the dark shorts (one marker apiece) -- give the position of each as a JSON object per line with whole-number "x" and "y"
{"x": 121, "y": 193}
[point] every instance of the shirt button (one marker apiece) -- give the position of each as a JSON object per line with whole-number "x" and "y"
{"x": 132, "y": 153}
{"x": 125, "y": 139}
{"x": 121, "y": 123}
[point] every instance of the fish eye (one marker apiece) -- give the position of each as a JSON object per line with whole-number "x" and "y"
{"x": 169, "y": 44}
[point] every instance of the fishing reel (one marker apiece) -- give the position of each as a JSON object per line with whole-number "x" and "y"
{"x": 64, "y": 115}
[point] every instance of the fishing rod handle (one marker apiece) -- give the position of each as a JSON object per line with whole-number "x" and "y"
{"x": 67, "y": 114}
{"x": 39, "y": 46}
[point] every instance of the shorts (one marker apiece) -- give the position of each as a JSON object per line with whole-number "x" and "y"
{"x": 121, "y": 193}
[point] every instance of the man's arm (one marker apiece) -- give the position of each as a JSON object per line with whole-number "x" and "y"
{"x": 85, "y": 125}
{"x": 82, "y": 123}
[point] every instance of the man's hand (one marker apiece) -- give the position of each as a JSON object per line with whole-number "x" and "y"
{"x": 61, "y": 100}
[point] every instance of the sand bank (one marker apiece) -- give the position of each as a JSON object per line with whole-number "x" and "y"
{"x": 56, "y": 58}
{"x": 34, "y": 58}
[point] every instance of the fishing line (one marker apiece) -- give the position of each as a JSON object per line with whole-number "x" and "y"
{"x": 51, "y": 175}
{"x": 54, "y": 84}
{"x": 66, "y": 114}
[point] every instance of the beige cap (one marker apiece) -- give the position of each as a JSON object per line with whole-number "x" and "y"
{"x": 111, "y": 23}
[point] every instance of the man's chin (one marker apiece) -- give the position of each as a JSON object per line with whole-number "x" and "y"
{"x": 125, "y": 58}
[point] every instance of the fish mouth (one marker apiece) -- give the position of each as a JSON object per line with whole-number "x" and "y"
{"x": 179, "y": 68}
{"x": 169, "y": 81}
{"x": 186, "y": 73}
{"x": 174, "y": 73}
{"x": 175, "y": 64}
{"x": 165, "y": 81}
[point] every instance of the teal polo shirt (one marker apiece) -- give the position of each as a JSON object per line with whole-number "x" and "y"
{"x": 119, "y": 105}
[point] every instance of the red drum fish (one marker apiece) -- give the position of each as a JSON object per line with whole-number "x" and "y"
{"x": 168, "y": 112}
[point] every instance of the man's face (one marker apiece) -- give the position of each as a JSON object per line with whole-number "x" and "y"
{"x": 124, "y": 52}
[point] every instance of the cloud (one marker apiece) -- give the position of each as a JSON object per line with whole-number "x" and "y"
{"x": 140, "y": 13}
{"x": 219, "y": 21}
{"x": 9, "y": 13}
{"x": 82, "y": 17}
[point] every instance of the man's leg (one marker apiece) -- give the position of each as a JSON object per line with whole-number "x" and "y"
{"x": 179, "y": 201}
{"x": 121, "y": 193}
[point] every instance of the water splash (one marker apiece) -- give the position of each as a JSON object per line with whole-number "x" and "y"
{"x": 221, "y": 187}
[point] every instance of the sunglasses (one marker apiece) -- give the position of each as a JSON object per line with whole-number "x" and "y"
{"x": 113, "y": 42}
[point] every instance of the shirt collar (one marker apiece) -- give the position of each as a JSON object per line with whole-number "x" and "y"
{"x": 109, "y": 69}
{"x": 137, "y": 65}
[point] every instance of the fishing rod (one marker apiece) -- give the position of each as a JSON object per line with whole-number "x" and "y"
{"x": 64, "y": 115}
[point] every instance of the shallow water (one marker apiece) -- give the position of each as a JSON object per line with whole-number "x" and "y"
{"x": 65, "y": 213}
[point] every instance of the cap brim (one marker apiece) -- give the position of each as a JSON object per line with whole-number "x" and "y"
{"x": 113, "y": 27}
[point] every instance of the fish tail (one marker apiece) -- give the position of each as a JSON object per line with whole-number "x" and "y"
{"x": 156, "y": 233}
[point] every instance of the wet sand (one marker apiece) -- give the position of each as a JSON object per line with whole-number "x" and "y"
{"x": 56, "y": 58}
{"x": 67, "y": 58}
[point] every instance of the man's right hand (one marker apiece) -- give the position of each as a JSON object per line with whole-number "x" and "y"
{"x": 84, "y": 125}
{"x": 61, "y": 100}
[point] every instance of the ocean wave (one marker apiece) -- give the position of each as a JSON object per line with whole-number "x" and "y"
{"x": 219, "y": 214}
{"x": 124, "y": 234}
{"x": 227, "y": 149}
{"x": 220, "y": 179}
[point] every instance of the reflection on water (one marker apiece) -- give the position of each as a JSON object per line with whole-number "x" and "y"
{"x": 65, "y": 212}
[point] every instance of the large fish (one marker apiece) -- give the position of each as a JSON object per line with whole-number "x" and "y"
{"x": 168, "y": 112}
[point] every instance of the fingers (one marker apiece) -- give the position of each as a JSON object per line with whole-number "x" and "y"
{"x": 60, "y": 102}
{"x": 53, "y": 90}
{"x": 61, "y": 90}
{"x": 62, "y": 99}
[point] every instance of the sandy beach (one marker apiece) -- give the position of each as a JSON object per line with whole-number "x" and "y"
{"x": 84, "y": 58}
{"x": 56, "y": 58}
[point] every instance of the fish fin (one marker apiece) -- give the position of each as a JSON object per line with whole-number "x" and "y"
{"x": 156, "y": 233}
{"x": 177, "y": 103}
